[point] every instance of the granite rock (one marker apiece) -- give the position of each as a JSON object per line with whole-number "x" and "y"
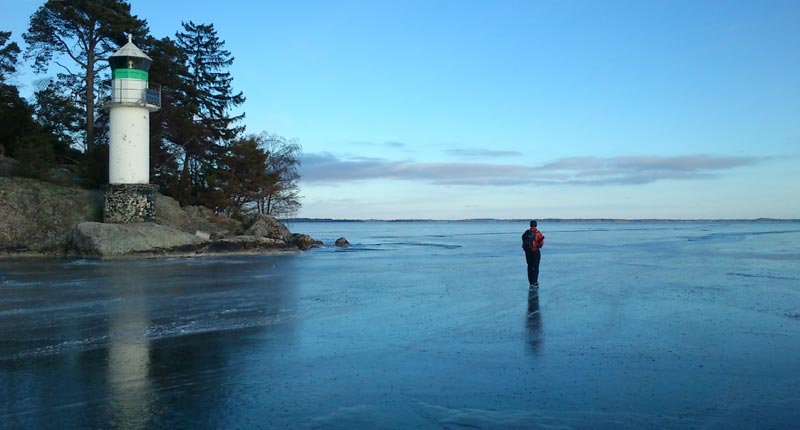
{"x": 268, "y": 226}
{"x": 36, "y": 217}
{"x": 304, "y": 241}
{"x": 248, "y": 244}
{"x": 96, "y": 239}
{"x": 190, "y": 220}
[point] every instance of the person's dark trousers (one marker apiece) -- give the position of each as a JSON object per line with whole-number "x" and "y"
{"x": 533, "y": 258}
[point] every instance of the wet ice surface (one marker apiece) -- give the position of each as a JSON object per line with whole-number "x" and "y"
{"x": 418, "y": 325}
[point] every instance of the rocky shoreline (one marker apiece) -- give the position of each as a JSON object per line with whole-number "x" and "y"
{"x": 40, "y": 219}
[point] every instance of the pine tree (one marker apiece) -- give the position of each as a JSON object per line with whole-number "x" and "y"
{"x": 59, "y": 115}
{"x": 212, "y": 99}
{"x": 20, "y": 136}
{"x": 79, "y": 36}
{"x": 170, "y": 125}
{"x": 8, "y": 56}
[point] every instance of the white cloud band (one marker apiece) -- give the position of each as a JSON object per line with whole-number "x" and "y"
{"x": 327, "y": 168}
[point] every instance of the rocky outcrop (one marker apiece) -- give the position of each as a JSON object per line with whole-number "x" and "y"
{"x": 248, "y": 244}
{"x": 226, "y": 226}
{"x": 37, "y": 217}
{"x": 7, "y": 165}
{"x": 170, "y": 213}
{"x": 342, "y": 242}
{"x": 40, "y": 219}
{"x": 96, "y": 239}
{"x": 100, "y": 240}
{"x": 305, "y": 242}
{"x": 268, "y": 226}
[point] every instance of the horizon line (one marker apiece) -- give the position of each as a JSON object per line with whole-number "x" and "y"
{"x": 760, "y": 219}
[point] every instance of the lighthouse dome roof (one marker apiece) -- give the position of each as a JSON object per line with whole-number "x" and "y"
{"x": 130, "y": 50}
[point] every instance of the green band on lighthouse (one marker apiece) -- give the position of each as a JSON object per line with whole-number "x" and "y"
{"x": 129, "y": 74}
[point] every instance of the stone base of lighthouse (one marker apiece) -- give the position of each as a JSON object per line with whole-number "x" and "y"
{"x": 130, "y": 203}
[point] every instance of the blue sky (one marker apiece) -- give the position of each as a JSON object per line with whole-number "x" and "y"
{"x": 462, "y": 109}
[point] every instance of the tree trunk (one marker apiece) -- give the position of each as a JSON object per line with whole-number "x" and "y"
{"x": 90, "y": 89}
{"x": 89, "y": 112}
{"x": 183, "y": 195}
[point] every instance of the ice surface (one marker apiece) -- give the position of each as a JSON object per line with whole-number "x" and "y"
{"x": 417, "y": 325}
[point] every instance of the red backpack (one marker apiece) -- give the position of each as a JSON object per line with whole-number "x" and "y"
{"x": 532, "y": 242}
{"x": 538, "y": 241}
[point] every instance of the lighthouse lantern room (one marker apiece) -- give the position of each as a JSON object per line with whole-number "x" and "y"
{"x": 129, "y": 195}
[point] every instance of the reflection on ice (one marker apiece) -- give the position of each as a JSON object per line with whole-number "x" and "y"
{"x": 128, "y": 349}
{"x": 128, "y": 366}
{"x": 534, "y": 320}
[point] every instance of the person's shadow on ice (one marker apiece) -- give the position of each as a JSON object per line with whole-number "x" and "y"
{"x": 534, "y": 321}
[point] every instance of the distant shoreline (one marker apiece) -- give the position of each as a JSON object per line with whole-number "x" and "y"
{"x": 525, "y": 220}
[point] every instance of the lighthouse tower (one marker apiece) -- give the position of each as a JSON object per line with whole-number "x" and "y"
{"x": 129, "y": 196}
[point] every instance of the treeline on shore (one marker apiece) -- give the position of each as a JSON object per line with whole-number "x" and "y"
{"x": 200, "y": 153}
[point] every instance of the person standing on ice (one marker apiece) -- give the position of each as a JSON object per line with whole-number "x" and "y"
{"x": 532, "y": 242}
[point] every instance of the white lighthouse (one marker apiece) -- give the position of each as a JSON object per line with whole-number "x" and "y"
{"x": 129, "y": 195}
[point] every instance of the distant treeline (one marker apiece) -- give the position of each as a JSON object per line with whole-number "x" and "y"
{"x": 199, "y": 151}
{"x": 543, "y": 220}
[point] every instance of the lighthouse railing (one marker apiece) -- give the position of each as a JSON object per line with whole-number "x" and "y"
{"x": 150, "y": 96}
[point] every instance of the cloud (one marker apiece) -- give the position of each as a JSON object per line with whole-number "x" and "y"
{"x": 388, "y": 143}
{"x": 481, "y": 153}
{"x": 641, "y": 170}
{"x": 330, "y": 169}
{"x": 326, "y": 167}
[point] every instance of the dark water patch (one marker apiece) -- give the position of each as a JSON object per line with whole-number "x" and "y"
{"x": 426, "y": 244}
{"x": 612, "y": 229}
{"x": 448, "y": 417}
{"x": 59, "y": 308}
{"x": 11, "y": 284}
{"x": 213, "y": 325}
{"x": 759, "y": 233}
{"x": 780, "y": 256}
{"x": 739, "y": 235}
{"x": 360, "y": 248}
{"x": 225, "y": 321}
{"x": 84, "y": 262}
{"x": 64, "y": 346}
{"x": 749, "y": 275}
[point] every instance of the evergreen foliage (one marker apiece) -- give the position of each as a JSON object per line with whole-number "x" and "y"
{"x": 20, "y": 136}
{"x": 79, "y": 36}
{"x": 170, "y": 125}
{"x": 211, "y": 97}
{"x": 198, "y": 151}
{"x": 60, "y": 116}
{"x": 207, "y": 63}
{"x": 8, "y": 56}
